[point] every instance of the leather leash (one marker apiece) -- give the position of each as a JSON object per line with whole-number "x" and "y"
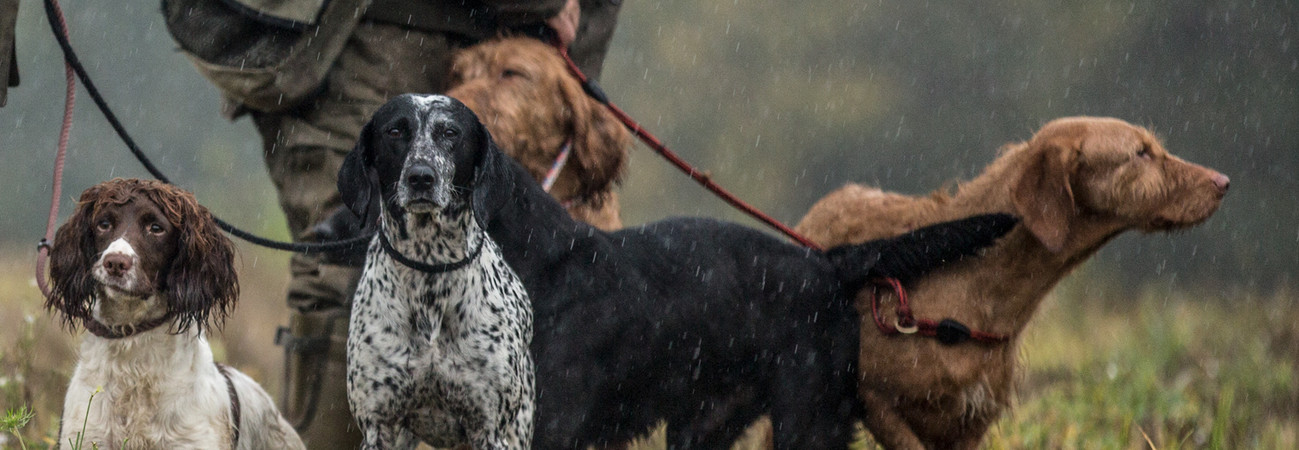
{"x": 65, "y": 132}
{"x": 947, "y": 331}
{"x": 592, "y": 89}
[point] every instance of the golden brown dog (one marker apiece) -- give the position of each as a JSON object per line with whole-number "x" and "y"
{"x": 521, "y": 89}
{"x": 1076, "y": 184}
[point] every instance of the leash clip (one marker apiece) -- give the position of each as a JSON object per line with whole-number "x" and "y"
{"x": 44, "y": 244}
{"x": 906, "y": 325}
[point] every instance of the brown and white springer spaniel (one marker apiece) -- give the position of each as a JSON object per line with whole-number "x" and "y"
{"x": 143, "y": 267}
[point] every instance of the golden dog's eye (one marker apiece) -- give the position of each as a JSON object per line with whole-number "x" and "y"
{"x": 1144, "y": 152}
{"x": 511, "y": 73}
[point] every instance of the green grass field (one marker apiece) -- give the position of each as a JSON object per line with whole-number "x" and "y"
{"x": 1165, "y": 369}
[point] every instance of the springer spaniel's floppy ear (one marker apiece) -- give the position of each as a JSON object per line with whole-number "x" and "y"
{"x": 491, "y": 187}
{"x": 201, "y": 282}
{"x": 358, "y": 182}
{"x": 71, "y": 260}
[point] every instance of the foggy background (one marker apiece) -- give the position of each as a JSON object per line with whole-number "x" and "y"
{"x": 1192, "y": 337}
{"x": 782, "y": 102}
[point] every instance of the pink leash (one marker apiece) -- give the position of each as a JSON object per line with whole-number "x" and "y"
{"x": 553, "y": 173}
{"x": 70, "y": 102}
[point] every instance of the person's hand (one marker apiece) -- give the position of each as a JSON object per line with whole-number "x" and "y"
{"x": 565, "y": 23}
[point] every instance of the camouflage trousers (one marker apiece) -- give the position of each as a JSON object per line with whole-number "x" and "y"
{"x": 303, "y": 149}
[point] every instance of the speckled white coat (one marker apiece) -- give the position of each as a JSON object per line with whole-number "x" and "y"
{"x": 440, "y": 357}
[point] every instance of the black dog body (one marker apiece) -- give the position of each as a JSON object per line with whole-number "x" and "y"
{"x": 704, "y": 324}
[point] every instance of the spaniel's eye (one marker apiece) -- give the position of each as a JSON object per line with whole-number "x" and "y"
{"x": 156, "y": 229}
{"x": 395, "y": 133}
{"x": 1144, "y": 152}
{"x": 449, "y": 133}
{"x": 104, "y": 225}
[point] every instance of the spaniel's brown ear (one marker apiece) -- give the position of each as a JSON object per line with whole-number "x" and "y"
{"x": 201, "y": 284}
{"x": 600, "y": 141}
{"x": 1043, "y": 195}
{"x": 72, "y": 258}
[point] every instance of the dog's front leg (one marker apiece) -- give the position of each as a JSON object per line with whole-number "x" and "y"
{"x": 380, "y": 411}
{"x": 493, "y": 416}
{"x": 385, "y": 435}
{"x": 380, "y": 386}
{"x": 885, "y": 424}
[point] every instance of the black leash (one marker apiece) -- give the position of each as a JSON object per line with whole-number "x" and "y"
{"x": 69, "y": 55}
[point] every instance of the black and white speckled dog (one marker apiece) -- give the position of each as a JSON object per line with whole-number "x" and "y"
{"x": 704, "y": 324}
{"x": 438, "y": 345}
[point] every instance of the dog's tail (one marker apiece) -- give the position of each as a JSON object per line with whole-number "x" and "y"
{"x": 912, "y": 255}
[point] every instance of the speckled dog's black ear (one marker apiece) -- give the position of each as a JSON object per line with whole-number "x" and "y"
{"x": 358, "y": 181}
{"x": 491, "y": 186}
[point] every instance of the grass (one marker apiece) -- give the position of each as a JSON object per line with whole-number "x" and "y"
{"x": 1166, "y": 369}
{"x": 14, "y": 420}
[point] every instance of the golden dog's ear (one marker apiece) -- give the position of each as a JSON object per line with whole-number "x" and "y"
{"x": 1043, "y": 195}
{"x": 599, "y": 140}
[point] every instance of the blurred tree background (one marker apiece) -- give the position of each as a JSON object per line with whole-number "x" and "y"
{"x": 783, "y": 101}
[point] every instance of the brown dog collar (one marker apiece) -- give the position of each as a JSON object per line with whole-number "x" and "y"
{"x": 97, "y": 328}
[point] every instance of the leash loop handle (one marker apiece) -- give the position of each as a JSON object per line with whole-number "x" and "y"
{"x": 43, "y": 247}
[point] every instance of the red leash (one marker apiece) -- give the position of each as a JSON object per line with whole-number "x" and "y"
{"x": 672, "y": 157}
{"x": 947, "y": 331}
{"x": 43, "y": 248}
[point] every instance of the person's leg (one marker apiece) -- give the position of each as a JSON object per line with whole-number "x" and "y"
{"x": 314, "y": 342}
{"x": 303, "y": 150}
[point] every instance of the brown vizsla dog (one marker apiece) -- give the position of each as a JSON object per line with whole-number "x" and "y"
{"x": 521, "y": 89}
{"x": 1076, "y": 184}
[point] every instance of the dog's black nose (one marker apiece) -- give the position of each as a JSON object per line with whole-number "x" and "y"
{"x": 420, "y": 178}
